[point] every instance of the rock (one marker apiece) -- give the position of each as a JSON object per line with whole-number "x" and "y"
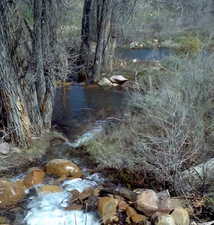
{"x": 105, "y": 82}
{"x": 164, "y": 202}
{"x": 63, "y": 168}
{"x": 122, "y": 205}
{"x": 86, "y": 194}
{"x": 163, "y": 219}
{"x": 147, "y": 202}
{"x": 34, "y": 176}
{"x": 107, "y": 208}
{"x": 11, "y": 193}
{"x": 49, "y": 189}
{"x": 119, "y": 79}
{"x": 4, "y": 148}
{"x": 134, "y": 216}
{"x": 180, "y": 216}
{"x": 74, "y": 207}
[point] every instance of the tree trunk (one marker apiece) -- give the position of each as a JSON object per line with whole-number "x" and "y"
{"x": 14, "y": 107}
{"x": 104, "y": 16}
{"x": 43, "y": 45}
{"x": 27, "y": 99}
{"x": 85, "y": 37}
{"x": 201, "y": 175}
{"x": 97, "y": 19}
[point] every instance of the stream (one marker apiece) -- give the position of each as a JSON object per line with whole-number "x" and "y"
{"x": 80, "y": 113}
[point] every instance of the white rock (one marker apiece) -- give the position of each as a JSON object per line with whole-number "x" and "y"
{"x": 118, "y": 79}
{"x": 105, "y": 82}
{"x": 4, "y": 148}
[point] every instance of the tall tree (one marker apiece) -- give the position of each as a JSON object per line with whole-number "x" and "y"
{"x": 27, "y": 98}
{"x": 14, "y": 107}
{"x": 96, "y": 28}
{"x": 100, "y": 22}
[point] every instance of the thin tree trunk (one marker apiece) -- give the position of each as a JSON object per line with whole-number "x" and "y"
{"x": 104, "y": 16}
{"x": 85, "y": 36}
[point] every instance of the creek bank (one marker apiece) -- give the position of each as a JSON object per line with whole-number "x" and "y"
{"x": 75, "y": 199}
{"x": 17, "y": 160}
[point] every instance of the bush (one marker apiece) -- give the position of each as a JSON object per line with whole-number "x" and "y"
{"x": 189, "y": 44}
{"x": 165, "y": 130}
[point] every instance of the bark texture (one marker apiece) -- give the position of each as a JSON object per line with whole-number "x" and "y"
{"x": 13, "y": 104}
{"x": 97, "y": 31}
{"x": 27, "y": 97}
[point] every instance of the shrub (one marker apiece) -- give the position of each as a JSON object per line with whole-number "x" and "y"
{"x": 189, "y": 44}
{"x": 164, "y": 131}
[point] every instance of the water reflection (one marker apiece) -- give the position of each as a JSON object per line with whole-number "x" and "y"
{"x": 145, "y": 54}
{"x": 77, "y": 106}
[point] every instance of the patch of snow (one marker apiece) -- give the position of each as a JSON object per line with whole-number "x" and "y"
{"x": 47, "y": 208}
{"x": 78, "y": 184}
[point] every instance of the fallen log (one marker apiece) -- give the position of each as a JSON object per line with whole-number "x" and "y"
{"x": 202, "y": 174}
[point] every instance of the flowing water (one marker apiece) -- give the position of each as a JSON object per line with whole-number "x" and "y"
{"x": 80, "y": 113}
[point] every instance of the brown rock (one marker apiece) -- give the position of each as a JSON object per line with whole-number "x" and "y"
{"x": 74, "y": 207}
{"x": 147, "y": 202}
{"x": 107, "y": 208}
{"x": 34, "y": 176}
{"x": 181, "y": 216}
{"x": 49, "y": 189}
{"x": 86, "y": 194}
{"x": 134, "y": 216}
{"x": 122, "y": 205}
{"x": 11, "y": 193}
{"x": 63, "y": 168}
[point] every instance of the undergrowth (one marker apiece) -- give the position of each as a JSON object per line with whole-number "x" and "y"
{"x": 166, "y": 128}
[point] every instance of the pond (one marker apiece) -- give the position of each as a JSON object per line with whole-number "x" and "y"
{"x": 143, "y": 54}
{"x": 77, "y": 107}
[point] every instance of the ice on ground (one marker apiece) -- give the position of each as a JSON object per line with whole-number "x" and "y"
{"x": 47, "y": 208}
{"x": 78, "y": 184}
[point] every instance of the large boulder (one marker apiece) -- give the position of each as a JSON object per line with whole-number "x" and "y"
{"x": 107, "y": 208}
{"x": 63, "y": 168}
{"x": 34, "y": 176}
{"x": 181, "y": 216}
{"x": 147, "y": 202}
{"x": 11, "y": 193}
